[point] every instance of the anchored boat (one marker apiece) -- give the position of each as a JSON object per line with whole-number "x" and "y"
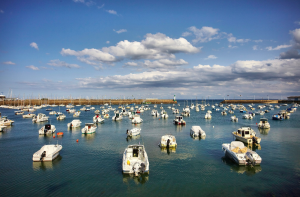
{"x": 47, "y": 153}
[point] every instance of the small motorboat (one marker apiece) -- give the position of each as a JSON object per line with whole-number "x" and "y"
{"x": 89, "y": 128}
{"x": 40, "y": 118}
{"x": 75, "y": 123}
{"x": 106, "y": 116}
{"x": 240, "y": 154}
{"x": 19, "y": 112}
{"x": 97, "y": 119}
{"x": 47, "y": 153}
{"x": 207, "y": 116}
{"x": 176, "y": 111}
{"x": 223, "y": 113}
{"x": 52, "y": 113}
{"x": 61, "y": 117}
{"x": 2, "y": 127}
{"x": 264, "y": 124}
{"x": 234, "y": 119}
{"x": 76, "y": 114}
{"x": 246, "y": 135}
{"x": 135, "y": 160}
{"x": 117, "y": 117}
{"x": 49, "y": 109}
{"x": 168, "y": 141}
{"x": 197, "y": 131}
{"x": 185, "y": 113}
{"x": 137, "y": 119}
{"x": 47, "y": 129}
{"x": 179, "y": 120}
{"x": 28, "y": 115}
{"x": 164, "y": 115}
{"x": 60, "y": 134}
{"x": 133, "y": 132}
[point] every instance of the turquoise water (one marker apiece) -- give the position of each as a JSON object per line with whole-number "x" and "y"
{"x": 92, "y": 167}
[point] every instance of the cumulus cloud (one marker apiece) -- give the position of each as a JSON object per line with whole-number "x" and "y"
{"x": 232, "y": 47}
{"x": 154, "y": 47}
{"x": 34, "y": 45}
{"x": 255, "y": 47}
{"x": 32, "y": 67}
{"x": 162, "y": 64}
{"x": 231, "y": 38}
{"x": 9, "y": 63}
{"x": 290, "y": 54}
{"x": 107, "y": 42}
{"x": 120, "y": 31}
{"x": 278, "y": 47}
{"x": 211, "y": 57}
{"x": 112, "y": 12}
{"x": 257, "y": 41}
{"x": 244, "y": 76}
{"x": 88, "y": 3}
{"x": 204, "y": 34}
{"x": 185, "y": 34}
{"x": 58, "y": 63}
{"x": 297, "y": 22}
{"x": 131, "y": 63}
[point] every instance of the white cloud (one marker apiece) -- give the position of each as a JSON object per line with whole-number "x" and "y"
{"x": 278, "y": 47}
{"x": 1, "y": 11}
{"x": 107, "y": 42}
{"x": 34, "y": 45}
{"x": 211, "y": 57}
{"x": 255, "y": 47}
{"x": 297, "y": 22}
{"x": 204, "y": 34}
{"x": 58, "y": 63}
{"x": 231, "y": 38}
{"x": 32, "y": 67}
{"x": 112, "y": 12}
{"x": 296, "y": 35}
{"x": 9, "y": 63}
{"x": 257, "y": 41}
{"x": 88, "y": 3}
{"x": 185, "y": 34}
{"x": 99, "y": 7}
{"x": 131, "y": 64}
{"x": 121, "y": 31}
{"x": 232, "y": 47}
{"x": 154, "y": 46}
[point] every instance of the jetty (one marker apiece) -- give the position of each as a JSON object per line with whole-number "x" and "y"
{"x": 17, "y": 102}
{"x": 259, "y": 101}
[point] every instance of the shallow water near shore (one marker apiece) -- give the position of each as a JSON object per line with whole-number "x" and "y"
{"x": 93, "y": 165}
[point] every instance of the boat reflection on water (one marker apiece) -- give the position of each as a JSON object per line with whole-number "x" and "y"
{"x": 74, "y": 129}
{"x": 141, "y": 179}
{"x": 264, "y": 131}
{"x": 198, "y": 137}
{"x": 248, "y": 169}
{"x": 89, "y": 137}
{"x": 179, "y": 128}
{"x": 134, "y": 137}
{"x": 168, "y": 150}
{"x": 46, "y": 165}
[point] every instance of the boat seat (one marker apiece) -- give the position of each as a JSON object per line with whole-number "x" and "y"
{"x": 129, "y": 153}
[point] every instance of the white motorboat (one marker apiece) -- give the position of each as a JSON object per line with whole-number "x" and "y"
{"x": 207, "y": 116}
{"x": 47, "y": 129}
{"x": 197, "y": 131}
{"x": 75, "y": 123}
{"x": 155, "y": 113}
{"x": 92, "y": 108}
{"x": 47, "y": 152}
{"x": 264, "y": 124}
{"x": 240, "y": 154}
{"x": 164, "y": 115}
{"x": 168, "y": 141}
{"x": 52, "y": 113}
{"x": 117, "y": 117}
{"x": 70, "y": 106}
{"x": 72, "y": 111}
{"x": 185, "y": 113}
{"x": 124, "y": 112}
{"x": 137, "y": 119}
{"x": 97, "y": 119}
{"x": 61, "y": 117}
{"x": 87, "y": 109}
{"x": 83, "y": 109}
{"x": 2, "y": 127}
{"x": 176, "y": 111}
{"x": 179, "y": 120}
{"x": 19, "y": 112}
{"x": 231, "y": 111}
{"x": 133, "y": 132}
{"x": 106, "y": 116}
{"x": 89, "y": 128}
{"x": 197, "y": 108}
{"x": 97, "y": 111}
{"x": 135, "y": 160}
{"x": 29, "y": 115}
{"x": 247, "y": 116}
{"x": 223, "y": 113}
{"x": 234, "y": 119}
{"x": 77, "y": 114}
{"x": 246, "y": 135}
{"x": 40, "y": 118}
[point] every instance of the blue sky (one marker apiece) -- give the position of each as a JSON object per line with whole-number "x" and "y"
{"x": 153, "y": 49}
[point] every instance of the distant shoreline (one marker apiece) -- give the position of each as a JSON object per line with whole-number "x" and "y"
{"x": 259, "y": 101}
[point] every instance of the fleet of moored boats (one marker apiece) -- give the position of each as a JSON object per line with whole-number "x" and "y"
{"x": 135, "y": 158}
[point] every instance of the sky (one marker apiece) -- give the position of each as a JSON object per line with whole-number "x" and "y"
{"x": 150, "y": 49}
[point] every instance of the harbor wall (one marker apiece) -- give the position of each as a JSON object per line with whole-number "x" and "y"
{"x": 259, "y": 101}
{"x": 84, "y": 101}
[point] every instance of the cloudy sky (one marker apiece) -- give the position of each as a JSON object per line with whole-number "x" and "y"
{"x": 153, "y": 49}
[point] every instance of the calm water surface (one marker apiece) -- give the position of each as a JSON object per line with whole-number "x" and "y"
{"x": 92, "y": 167}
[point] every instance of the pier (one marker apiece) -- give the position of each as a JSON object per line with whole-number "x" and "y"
{"x": 259, "y": 101}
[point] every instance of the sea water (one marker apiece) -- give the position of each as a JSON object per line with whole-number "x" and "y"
{"x": 93, "y": 165}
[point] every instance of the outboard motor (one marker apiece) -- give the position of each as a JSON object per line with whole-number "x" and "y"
{"x": 142, "y": 168}
{"x": 254, "y": 140}
{"x": 127, "y": 131}
{"x": 43, "y": 155}
{"x": 168, "y": 143}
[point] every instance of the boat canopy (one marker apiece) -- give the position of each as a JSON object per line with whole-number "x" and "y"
{"x": 263, "y": 119}
{"x": 89, "y": 124}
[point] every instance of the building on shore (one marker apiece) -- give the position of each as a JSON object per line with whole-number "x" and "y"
{"x": 2, "y": 97}
{"x": 293, "y": 98}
